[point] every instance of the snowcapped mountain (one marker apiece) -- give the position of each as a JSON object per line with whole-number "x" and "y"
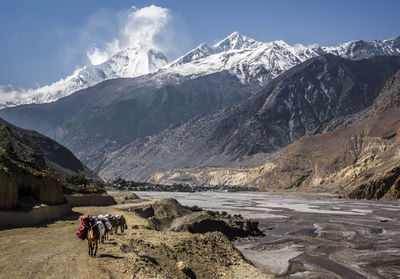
{"x": 254, "y": 63}
{"x": 134, "y": 61}
{"x": 357, "y": 50}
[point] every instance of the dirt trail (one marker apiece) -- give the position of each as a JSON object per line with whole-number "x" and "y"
{"x": 54, "y": 251}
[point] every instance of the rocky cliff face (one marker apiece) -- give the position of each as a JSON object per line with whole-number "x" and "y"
{"x": 352, "y": 158}
{"x": 338, "y": 160}
{"x": 23, "y": 186}
{"x": 385, "y": 187}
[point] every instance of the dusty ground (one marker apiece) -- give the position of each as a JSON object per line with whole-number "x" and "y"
{"x": 54, "y": 251}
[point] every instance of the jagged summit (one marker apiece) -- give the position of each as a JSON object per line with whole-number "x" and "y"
{"x": 254, "y": 63}
{"x": 233, "y": 42}
{"x": 199, "y": 52}
{"x": 236, "y": 41}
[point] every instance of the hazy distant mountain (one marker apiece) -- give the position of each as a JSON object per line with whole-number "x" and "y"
{"x": 293, "y": 105}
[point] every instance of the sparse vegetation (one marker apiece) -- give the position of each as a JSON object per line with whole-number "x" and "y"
{"x": 79, "y": 179}
{"x": 80, "y": 184}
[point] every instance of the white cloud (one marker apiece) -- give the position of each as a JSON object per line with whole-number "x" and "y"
{"x": 152, "y": 26}
{"x": 96, "y": 56}
{"x": 301, "y": 46}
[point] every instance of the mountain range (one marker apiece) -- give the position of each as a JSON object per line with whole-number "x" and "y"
{"x": 295, "y": 104}
{"x": 237, "y": 103}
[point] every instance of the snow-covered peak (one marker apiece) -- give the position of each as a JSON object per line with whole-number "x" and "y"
{"x": 361, "y": 49}
{"x": 256, "y": 63}
{"x": 133, "y": 61}
{"x": 236, "y": 41}
{"x": 199, "y": 52}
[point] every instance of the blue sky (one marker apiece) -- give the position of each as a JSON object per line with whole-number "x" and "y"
{"x": 44, "y": 40}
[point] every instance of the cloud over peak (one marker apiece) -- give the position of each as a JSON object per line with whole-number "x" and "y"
{"x": 149, "y": 25}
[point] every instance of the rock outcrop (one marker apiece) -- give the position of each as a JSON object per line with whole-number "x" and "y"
{"x": 385, "y": 187}
{"x": 124, "y": 197}
{"x": 169, "y": 215}
{"x": 23, "y": 186}
{"x": 209, "y": 221}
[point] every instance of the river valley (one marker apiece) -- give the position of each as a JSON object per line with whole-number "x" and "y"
{"x": 311, "y": 236}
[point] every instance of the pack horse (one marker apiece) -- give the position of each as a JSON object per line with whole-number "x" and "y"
{"x": 95, "y": 229}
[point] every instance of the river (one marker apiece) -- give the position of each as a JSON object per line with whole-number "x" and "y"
{"x": 311, "y": 236}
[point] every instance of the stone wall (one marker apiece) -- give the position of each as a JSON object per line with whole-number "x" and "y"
{"x": 16, "y": 183}
{"x": 39, "y": 214}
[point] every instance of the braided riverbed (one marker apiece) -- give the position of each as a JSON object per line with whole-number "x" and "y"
{"x": 309, "y": 236}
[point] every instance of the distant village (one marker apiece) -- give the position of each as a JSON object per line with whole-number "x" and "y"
{"x": 124, "y": 185}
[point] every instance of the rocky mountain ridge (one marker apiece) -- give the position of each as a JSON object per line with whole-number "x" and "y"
{"x": 41, "y": 151}
{"x": 256, "y": 63}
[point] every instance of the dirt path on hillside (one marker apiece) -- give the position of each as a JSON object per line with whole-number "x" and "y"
{"x": 54, "y": 251}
